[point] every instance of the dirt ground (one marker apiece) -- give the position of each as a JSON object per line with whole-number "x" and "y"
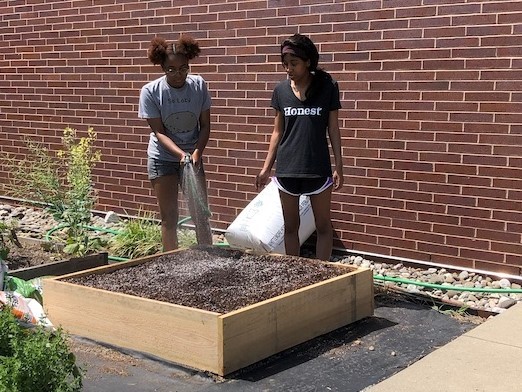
{"x": 214, "y": 279}
{"x": 32, "y": 254}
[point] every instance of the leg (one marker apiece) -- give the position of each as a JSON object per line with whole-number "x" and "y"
{"x": 195, "y": 190}
{"x": 290, "y": 205}
{"x": 323, "y": 223}
{"x": 166, "y": 189}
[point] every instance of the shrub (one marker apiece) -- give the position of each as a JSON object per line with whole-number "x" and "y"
{"x": 36, "y": 359}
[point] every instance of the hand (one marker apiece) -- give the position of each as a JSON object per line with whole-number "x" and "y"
{"x": 262, "y": 179}
{"x": 338, "y": 179}
{"x": 196, "y": 157}
{"x": 186, "y": 158}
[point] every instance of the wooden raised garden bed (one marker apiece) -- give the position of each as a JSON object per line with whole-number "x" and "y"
{"x": 210, "y": 340}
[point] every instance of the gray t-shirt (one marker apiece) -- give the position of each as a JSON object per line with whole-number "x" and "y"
{"x": 178, "y": 108}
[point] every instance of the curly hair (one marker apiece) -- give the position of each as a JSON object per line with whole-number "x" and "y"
{"x": 160, "y": 50}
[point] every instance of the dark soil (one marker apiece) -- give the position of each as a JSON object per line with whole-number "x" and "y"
{"x": 31, "y": 254}
{"x": 214, "y": 279}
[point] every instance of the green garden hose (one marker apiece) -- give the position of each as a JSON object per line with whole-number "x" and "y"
{"x": 117, "y": 258}
{"x": 64, "y": 225}
{"x": 446, "y": 287}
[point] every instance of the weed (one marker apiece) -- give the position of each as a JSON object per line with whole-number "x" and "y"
{"x": 462, "y": 311}
{"x": 62, "y": 184}
{"x": 137, "y": 237}
{"x": 186, "y": 238}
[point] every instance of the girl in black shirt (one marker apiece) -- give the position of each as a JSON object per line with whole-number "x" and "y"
{"x": 307, "y": 105}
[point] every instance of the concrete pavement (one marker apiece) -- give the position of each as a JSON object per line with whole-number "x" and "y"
{"x": 487, "y": 358}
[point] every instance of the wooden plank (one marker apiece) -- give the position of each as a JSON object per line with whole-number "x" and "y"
{"x": 175, "y": 333}
{"x": 364, "y": 291}
{"x": 258, "y": 331}
{"x": 62, "y": 267}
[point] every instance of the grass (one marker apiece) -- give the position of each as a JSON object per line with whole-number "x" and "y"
{"x": 141, "y": 236}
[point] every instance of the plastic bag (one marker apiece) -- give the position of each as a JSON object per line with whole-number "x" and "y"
{"x": 28, "y": 311}
{"x": 19, "y": 306}
{"x": 28, "y": 289}
{"x": 260, "y": 226}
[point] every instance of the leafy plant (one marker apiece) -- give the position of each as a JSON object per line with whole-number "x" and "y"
{"x": 36, "y": 359}
{"x": 63, "y": 184}
{"x": 137, "y": 237}
{"x": 141, "y": 236}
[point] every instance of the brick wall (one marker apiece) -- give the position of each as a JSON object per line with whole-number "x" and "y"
{"x": 431, "y": 118}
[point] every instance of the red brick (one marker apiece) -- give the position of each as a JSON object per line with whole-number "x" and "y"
{"x": 415, "y": 196}
{"x": 498, "y": 266}
{"x": 430, "y": 93}
{"x": 438, "y": 249}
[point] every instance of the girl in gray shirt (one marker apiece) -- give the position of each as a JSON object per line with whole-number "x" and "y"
{"x": 177, "y": 109}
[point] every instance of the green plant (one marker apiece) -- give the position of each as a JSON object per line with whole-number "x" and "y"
{"x": 445, "y": 309}
{"x": 4, "y": 248}
{"x": 36, "y": 359}
{"x": 186, "y": 238}
{"x": 141, "y": 236}
{"x": 137, "y": 237}
{"x": 36, "y": 177}
{"x": 7, "y": 234}
{"x": 63, "y": 184}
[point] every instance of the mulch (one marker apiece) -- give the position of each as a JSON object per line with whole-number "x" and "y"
{"x": 214, "y": 279}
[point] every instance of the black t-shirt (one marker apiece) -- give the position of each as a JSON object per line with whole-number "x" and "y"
{"x": 303, "y": 149}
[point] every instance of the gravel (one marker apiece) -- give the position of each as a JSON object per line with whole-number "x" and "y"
{"x": 35, "y": 223}
{"x": 451, "y": 285}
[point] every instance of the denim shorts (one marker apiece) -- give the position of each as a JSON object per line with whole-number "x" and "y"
{"x": 157, "y": 168}
{"x": 303, "y": 186}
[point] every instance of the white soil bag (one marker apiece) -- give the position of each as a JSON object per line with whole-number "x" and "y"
{"x": 260, "y": 225}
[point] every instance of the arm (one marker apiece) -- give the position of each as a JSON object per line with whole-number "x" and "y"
{"x": 204, "y": 135}
{"x": 334, "y": 134}
{"x": 156, "y": 124}
{"x": 277, "y": 133}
